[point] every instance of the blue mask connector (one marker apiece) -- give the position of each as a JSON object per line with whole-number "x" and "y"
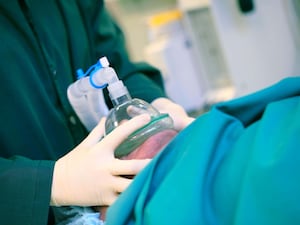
{"x": 91, "y": 72}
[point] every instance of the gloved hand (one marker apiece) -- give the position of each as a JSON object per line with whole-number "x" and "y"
{"x": 90, "y": 174}
{"x": 176, "y": 112}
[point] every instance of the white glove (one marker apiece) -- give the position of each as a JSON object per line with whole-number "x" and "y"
{"x": 176, "y": 112}
{"x": 90, "y": 175}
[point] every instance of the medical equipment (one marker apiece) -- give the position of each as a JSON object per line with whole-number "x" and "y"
{"x": 207, "y": 51}
{"x": 169, "y": 50}
{"x": 250, "y": 44}
{"x": 91, "y": 83}
{"x": 260, "y": 40}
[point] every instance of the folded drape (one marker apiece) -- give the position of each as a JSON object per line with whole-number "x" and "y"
{"x": 237, "y": 164}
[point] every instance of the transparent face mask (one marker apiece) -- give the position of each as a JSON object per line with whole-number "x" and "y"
{"x": 121, "y": 113}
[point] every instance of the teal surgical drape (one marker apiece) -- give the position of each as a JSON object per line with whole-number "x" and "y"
{"x": 237, "y": 164}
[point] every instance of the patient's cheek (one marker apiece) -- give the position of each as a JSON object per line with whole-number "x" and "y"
{"x": 147, "y": 150}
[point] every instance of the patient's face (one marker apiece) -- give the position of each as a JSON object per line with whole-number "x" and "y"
{"x": 147, "y": 150}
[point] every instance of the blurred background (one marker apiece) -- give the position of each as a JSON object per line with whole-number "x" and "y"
{"x": 213, "y": 50}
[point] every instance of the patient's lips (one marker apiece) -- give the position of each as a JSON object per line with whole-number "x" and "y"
{"x": 147, "y": 150}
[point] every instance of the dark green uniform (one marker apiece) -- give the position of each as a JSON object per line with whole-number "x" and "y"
{"x": 42, "y": 44}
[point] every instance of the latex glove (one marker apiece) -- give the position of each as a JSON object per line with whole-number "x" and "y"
{"x": 90, "y": 174}
{"x": 176, "y": 112}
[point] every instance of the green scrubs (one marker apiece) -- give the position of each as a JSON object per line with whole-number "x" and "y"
{"x": 42, "y": 44}
{"x": 238, "y": 164}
